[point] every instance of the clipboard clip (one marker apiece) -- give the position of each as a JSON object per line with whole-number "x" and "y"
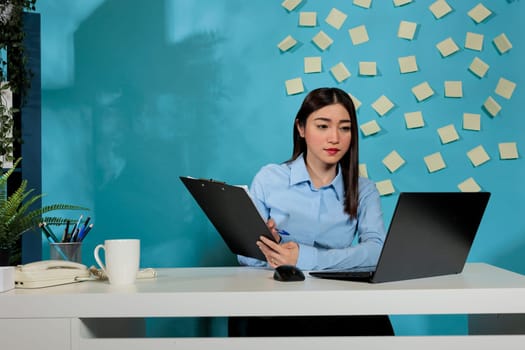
{"x": 214, "y": 181}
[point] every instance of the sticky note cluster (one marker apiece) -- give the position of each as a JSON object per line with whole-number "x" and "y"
{"x": 473, "y": 44}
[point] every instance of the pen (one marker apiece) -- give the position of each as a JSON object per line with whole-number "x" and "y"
{"x": 80, "y": 233}
{"x": 74, "y": 236}
{"x": 84, "y": 233}
{"x": 283, "y": 232}
{"x": 86, "y": 222}
{"x": 49, "y": 233}
{"x": 66, "y": 231}
{"x": 75, "y": 228}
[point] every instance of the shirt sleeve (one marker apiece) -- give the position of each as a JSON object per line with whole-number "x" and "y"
{"x": 370, "y": 238}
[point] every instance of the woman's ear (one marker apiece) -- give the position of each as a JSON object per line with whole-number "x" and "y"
{"x": 300, "y": 128}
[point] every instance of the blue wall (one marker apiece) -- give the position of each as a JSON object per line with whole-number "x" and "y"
{"x": 137, "y": 93}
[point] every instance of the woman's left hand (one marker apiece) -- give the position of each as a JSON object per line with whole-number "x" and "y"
{"x": 278, "y": 254}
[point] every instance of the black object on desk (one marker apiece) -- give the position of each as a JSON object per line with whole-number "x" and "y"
{"x": 288, "y": 273}
{"x": 430, "y": 234}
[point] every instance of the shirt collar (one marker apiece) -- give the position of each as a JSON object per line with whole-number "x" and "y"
{"x": 299, "y": 174}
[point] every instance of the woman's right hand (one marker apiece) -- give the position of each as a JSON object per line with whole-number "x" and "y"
{"x": 273, "y": 229}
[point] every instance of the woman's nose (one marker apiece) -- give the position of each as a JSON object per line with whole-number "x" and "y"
{"x": 334, "y": 136}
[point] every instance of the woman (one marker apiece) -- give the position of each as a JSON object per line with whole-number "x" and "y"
{"x": 320, "y": 211}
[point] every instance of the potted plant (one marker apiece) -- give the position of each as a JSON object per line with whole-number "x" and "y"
{"x": 17, "y": 216}
{"x": 14, "y": 78}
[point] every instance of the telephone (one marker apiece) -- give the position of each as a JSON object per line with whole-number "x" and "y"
{"x": 48, "y": 273}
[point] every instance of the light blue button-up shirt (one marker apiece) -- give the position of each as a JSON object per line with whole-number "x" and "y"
{"x": 316, "y": 220}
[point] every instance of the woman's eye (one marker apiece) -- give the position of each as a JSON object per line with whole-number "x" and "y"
{"x": 322, "y": 126}
{"x": 346, "y": 128}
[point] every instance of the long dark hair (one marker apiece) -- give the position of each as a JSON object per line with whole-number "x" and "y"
{"x": 314, "y": 101}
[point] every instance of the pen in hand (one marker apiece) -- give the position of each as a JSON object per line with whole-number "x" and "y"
{"x": 283, "y": 232}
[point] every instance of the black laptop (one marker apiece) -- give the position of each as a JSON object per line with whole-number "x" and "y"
{"x": 430, "y": 234}
{"x": 232, "y": 212}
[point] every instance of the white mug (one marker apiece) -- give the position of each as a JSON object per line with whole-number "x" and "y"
{"x": 122, "y": 257}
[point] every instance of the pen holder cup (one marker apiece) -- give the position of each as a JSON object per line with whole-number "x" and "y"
{"x": 71, "y": 251}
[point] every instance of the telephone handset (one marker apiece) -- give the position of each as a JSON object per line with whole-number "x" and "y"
{"x": 48, "y": 273}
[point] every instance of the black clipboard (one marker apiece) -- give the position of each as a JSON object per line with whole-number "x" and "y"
{"x": 232, "y": 213}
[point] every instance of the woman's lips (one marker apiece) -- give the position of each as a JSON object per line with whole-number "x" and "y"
{"x": 331, "y": 151}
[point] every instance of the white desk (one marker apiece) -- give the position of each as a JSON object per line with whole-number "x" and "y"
{"x": 71, "y": 316}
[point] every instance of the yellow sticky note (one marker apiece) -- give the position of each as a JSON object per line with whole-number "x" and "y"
{"x": 363, "y": 3}
{"x": 290, "y": 5}
{"x": 447, "y": 47}
{"x": 307, "y": 19}
{"x": 414, "y": 120}
{"x": 435, "y": 162}
{"x": 478, "y": 156}
{"x": 363, "y": 171}
{"x": 370, "y": 128}
{"x": 368, "y": 68}
{"x": 440, "y": 8}
{"x": 336, "y": 18}
{"x": 407, "y": 30}
{"x": 502, "y": 43}
{"x": 358, "y": 35}
{"x": 313, "y": 64}
{"x": 508, "y": 150}
{"x": 469, "y": 185}
{"x": 393, "y": 161}
{"x": 287, "y": 43}
{"x": 422, "y": 91}
{"x": 385, "y": 187}
{"x": 448, "y": 134}
{"x": 356, "y": 101}
{"x": 340, "y": 72}
{"x": 294, "y": 86}
{"x": 401, "y": 2}
{"x": 505, "y": 88}
{"x": 479, "y": 13}
{"x": 492, "y": 106}
{"x": 471, "y": 121}
{"x": 453, "y": 89}
{"x": 382, "y": 105}
{"x": 474, "y": 41}
{"x": 322, "y": 40}
{"x": 407, "y": 64}
{"x": 479, "y": 67}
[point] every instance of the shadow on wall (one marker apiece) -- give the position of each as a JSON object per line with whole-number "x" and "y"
{"x": 148, "y": 114}
{"x": 140, "y": 102}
